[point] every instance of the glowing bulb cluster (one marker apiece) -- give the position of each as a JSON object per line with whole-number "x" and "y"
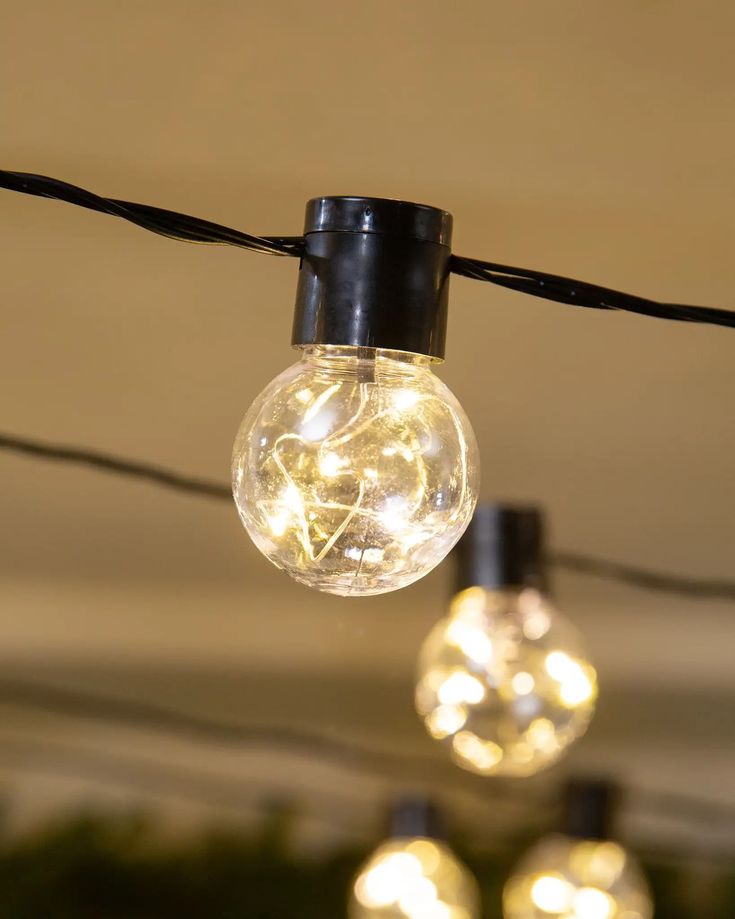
{"x": 355, "y": 470}
{"x": 414, "y": 878}
{"x": 503, "y": 680}
{"x": 565, "y": 878}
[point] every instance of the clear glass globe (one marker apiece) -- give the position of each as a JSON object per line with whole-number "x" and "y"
{"x": 355, "y": 470}
{"x": 503, "y": 680}
{"x": 564, "y": 878}
{"x": 414, "y": 878}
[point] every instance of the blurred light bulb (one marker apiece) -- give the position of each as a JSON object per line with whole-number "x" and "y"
{"x": 571, "y": 878}
{"x": 355, "y": 470}
{"x": 414, "y": 878}
{"x": 503, "y": 680}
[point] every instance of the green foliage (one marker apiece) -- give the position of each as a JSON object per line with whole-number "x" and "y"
{"x": 98, "y": 868}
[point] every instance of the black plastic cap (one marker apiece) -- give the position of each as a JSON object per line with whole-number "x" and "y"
{"x": 348, "y": 214}
{"x": 415, "y": 815}
{"x": 589, "y": 808}
{"x": 503, "y": 547}
{"x": 374, "y": 274}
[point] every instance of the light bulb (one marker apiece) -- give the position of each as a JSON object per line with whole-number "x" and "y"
{"x": 355, "y": 470}
{"x": 566, "y": 878}
{"x": 504, "y": 682}
{"x": 414, "y": 878}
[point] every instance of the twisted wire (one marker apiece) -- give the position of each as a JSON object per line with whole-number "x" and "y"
{"x": 524, "y": 280}
{"x": 158, "y": 220}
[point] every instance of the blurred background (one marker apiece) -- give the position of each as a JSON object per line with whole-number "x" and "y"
{"x": 584, "y": 138}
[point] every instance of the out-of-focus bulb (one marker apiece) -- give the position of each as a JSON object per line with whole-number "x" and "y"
{"x": 504, "y": 681}
{"x": 414, "y": 878}
{"x": 355, "y": 470}
{"x": 566, "y": 878}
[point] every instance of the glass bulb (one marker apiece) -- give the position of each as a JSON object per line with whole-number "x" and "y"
{"x": 355, "y": 470}
{"x": 414, "y": 878}
{"x": 564, "y": 878}
{"x": 503, "y": 680}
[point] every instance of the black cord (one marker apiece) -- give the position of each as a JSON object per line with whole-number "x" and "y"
{"x": 132, "y": 713}
{"x": 147, "y": 716}
{"x": 701, "y": 588}
{"x": 155, "y": 219}
{"x": 156, "y": 475}
{"x": 350, "y": 755}
{"x": 194, "y": 229}
{"x": 581, "y": 293}
{"x": 160, "y": 779}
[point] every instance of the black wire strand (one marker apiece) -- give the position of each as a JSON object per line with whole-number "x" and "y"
{"x": 133, "y": 713}
{"x": 576, "y": 562}
{"x": 357, "y": 757}
{"x": 155, "y": 475}
{"x": 525, "y": 280}
{"x": 162, "y": 780}
{"x": 581, "y": 293}
{"x": 698, "y": 588}
{"x": 156, "y": 219}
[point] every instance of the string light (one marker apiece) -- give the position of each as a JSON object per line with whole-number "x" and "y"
{"x": 503, "y": 679}
{"x": 414, "y": 875}
{"x": 356, "y": 470}
{"x": 374, "y": 278}
{"x": 580, "y": 874}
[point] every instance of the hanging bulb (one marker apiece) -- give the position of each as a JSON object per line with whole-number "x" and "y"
{"x": 578, "y": 875}
{"x": 503, "y": 680}
{"x": 356, "y": 470}
{"x": 414, "y": 876}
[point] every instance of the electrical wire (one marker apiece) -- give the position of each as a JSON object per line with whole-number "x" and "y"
{"x": 107, "y": 709}
{"x": 155, "y": 475}
{"x": 133, "y": 713}
{"x": 700, "y": 588}
{"x": 576, "y": 562}
{"x": 580, "y": 293}
{"x": 87, "y": 764}
{"x": 525, "y": 280}
{"x": 156, "y": 219}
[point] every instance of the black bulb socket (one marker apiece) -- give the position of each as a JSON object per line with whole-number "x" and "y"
{"x": 415, "y": 815}
{"x": 501, "y": 549}
{"x": 374, "y": 274}
{"x": 589, "y": 808}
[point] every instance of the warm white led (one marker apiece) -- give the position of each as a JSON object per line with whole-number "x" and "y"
{"x": 356, "y": 470}
{"x": 505, "y": 682}
{"x": 551, "y": 893}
